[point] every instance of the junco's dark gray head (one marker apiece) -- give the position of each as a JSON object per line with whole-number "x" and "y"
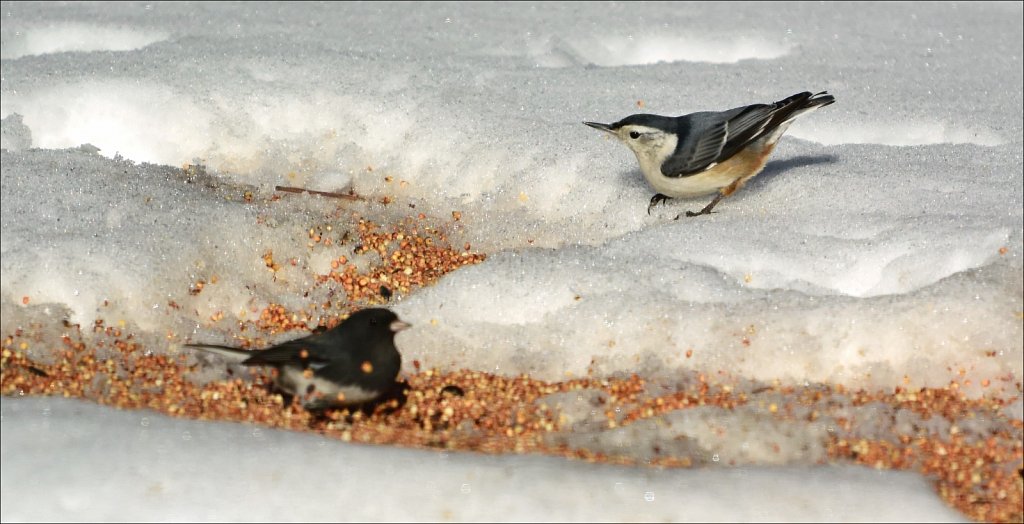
{"x": 371, "y": 322}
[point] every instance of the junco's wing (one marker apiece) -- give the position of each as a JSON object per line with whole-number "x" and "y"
{"x": 311, "y": 351}
{"x": 372, "y": 370}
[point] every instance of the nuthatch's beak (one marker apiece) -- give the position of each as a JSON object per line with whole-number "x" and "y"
{"x": 602, "y": 127}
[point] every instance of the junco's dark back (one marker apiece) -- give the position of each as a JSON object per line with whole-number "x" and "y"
{"x": 353, "y": 363}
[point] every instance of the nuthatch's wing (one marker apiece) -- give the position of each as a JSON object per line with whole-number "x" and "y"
{"x": 709, "y": 138}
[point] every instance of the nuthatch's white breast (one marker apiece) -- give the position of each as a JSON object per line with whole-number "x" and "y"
{"x": 701, "y": 153}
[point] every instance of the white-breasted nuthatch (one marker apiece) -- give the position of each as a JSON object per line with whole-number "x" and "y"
{"x": 701, "y": 153}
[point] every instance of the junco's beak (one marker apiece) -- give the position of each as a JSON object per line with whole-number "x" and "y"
{"x": 398, "y": 325}
{"x": 603, "y": 127}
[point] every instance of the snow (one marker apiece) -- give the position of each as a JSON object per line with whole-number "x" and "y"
{"x": 182, "y": 470}
{"x": 881, "y": 246}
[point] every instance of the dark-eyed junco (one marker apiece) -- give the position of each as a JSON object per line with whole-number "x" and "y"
{"x": 710, "y": 151}
{"x": 353, "y": 363}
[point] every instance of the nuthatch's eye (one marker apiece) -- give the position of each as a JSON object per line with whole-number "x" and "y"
{"x": 634, "y": 134}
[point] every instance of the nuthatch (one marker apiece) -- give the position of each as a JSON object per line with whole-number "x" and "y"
{"x": 701, "y": 153}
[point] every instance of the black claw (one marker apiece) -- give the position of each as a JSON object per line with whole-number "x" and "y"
{"x": 655, "y": 200}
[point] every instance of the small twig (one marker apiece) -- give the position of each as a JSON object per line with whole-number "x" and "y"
{"x": 345, "y": 196}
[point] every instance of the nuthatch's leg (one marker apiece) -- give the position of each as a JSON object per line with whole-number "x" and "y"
{"x": 707, "y": 208}
{"x": 724, "y": 192}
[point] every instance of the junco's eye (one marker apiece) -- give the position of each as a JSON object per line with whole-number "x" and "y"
{"x": 634, "y": 134}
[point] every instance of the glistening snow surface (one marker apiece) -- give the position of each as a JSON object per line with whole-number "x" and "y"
{"x": 880, "y": 247}
{"x": 182, "y": 470}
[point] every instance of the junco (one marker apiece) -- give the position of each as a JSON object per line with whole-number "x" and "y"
{"x": 353, "y": 363}
{"x": 710, "y": 151}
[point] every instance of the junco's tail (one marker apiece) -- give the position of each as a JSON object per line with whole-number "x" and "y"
{"x": 232, "y": 354}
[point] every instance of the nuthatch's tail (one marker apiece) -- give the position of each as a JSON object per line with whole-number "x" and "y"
{"x": 791, "y": 108}
{"x": 798, "y": 104}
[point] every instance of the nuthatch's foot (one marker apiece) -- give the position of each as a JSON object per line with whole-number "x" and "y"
{"x": 655, "y": 200}
{"x": 707, "y": 209}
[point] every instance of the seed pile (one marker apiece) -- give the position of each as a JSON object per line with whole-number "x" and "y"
{"x": 412, "y": 258}
{"x": 980, "y": 475}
